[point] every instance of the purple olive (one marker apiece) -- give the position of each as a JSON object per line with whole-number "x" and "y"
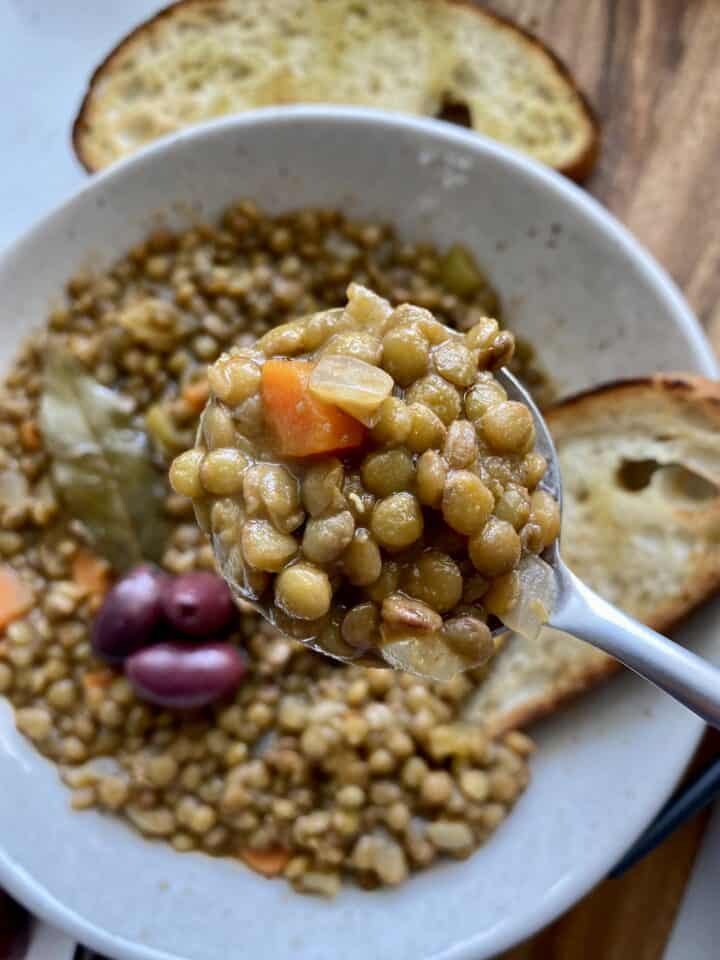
{"x": 129, "y": 614}
{"x": 181, "y": 677}
{"x": 198, "y": 604}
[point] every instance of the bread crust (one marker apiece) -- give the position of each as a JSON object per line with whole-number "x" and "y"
{"x": 677, "y": 386}
{"x": 540, "y": 707}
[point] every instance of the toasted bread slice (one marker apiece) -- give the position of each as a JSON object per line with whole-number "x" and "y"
{"x": 640, "y": 462}
{"x": 200, "y": 59}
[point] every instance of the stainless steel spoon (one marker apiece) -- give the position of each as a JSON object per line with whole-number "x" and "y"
{"x": 578, "y": 610}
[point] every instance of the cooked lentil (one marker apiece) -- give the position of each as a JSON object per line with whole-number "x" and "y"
{"x": 302, "y": 738}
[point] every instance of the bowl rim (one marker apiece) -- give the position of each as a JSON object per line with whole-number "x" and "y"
{"x": 18, "y": 881}
{"x": 437, "y": 130}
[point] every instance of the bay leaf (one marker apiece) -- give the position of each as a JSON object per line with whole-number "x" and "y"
{"x": 101, "y": 464}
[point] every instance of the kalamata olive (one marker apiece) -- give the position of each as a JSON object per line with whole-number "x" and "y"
{"x": 129, "y": 614}
{"x": 178, "y": 676}
{"x": 198, "y": 604}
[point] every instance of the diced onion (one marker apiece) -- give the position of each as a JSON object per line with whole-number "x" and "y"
{"x": 356, "y": 387}
{"x": 425, "y": 655}
{"x": 367, "y": 307}
{"x": 14, "y": 488}
{"x": 538, "y": 592}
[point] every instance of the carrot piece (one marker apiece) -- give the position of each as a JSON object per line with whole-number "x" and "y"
{"x": 98, "y": 679}
{"x": 29, "y": 433}
{"x": 269, "y": 863}
{"x": 91, "y": 572}
{"x": 302, "y": 424}
{"x": 16, "y": 597}
{"x": 195, "y": 395}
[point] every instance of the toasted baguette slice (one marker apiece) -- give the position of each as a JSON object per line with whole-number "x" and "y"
{"x": 640, "y": 462}
{"x": 201, "y": 59}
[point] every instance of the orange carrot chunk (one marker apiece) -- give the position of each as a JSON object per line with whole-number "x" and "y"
{"x": 90, "y": 572}
{"x": 269, "y": 863}
{"x": 29, "y": 433}
{"x": 98, "y": 679}
{"x": 195, "y": 395}
{"x": 303, "y": 425}
{"x": 16, "y": 597}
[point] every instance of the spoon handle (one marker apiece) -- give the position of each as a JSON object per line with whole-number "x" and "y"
{"x": 688, "y": 678}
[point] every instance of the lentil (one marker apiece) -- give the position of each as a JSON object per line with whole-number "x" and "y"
{"x": 405, "y": 354}
{"x": 303, "y": 591}
{"x": 545, "y": 514}
{"x": 435, "y": 579}
{"x": 466, "y": 502}
{"x": 362, "y": 560}
{"x": 393, "y": 422}
{"x": 326, "y": 538}
{"x": 397, "y": 521}
{"x": 496, "y": 549}
{"x": 508, "y": 427}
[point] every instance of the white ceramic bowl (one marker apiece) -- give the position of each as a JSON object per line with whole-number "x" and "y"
{"x": 597, "y": 308}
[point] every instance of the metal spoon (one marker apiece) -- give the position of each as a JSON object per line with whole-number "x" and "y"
{"x": 578, "y": 610}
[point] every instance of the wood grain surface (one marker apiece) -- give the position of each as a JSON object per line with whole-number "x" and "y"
{"x": 651, "y": 70}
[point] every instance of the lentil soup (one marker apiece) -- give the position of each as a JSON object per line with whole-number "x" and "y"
{"x": 299, "y": 767}
{"x": 368, "y": 485}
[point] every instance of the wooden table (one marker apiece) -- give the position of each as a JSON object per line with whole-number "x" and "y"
{"x": 651, "y": 69}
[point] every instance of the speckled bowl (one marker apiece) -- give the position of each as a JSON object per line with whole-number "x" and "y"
{"x": 597, "y": 307}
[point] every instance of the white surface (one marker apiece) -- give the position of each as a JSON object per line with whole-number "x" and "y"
{"x": 48, "y": 49}
{"x": 603, "y": 767}
{"x": 696, "y": 933}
